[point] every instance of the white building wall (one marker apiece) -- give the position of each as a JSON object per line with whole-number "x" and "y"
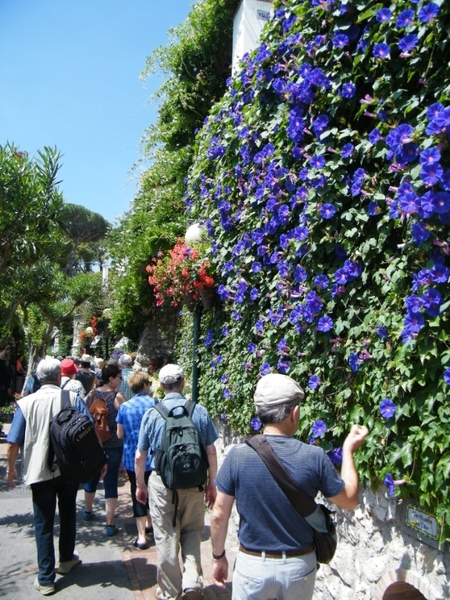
{"x": 248, "y": 22}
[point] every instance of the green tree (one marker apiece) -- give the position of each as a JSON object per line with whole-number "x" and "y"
{"x": 195, "y": 65}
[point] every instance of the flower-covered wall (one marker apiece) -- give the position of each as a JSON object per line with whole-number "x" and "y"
{"x": 323, "y": 180}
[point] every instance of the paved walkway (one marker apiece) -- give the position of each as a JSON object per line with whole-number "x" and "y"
{"x": 111, "y": 567}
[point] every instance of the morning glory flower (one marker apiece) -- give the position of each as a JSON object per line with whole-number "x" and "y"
{"x": 428, "y": 12}
{"x": 390, "y": 483}
{"x": 383, "y": 15}
{"x": 324, "y": 324}
{"x": 387, "y": 408}
{"x": 225, "y": 331}
{"x": 381, "y": 50}
{"x": 408, "y": 43}
{"x": 347, "y": 150}
{"x": 255, "y": 424}
{"x": 317, "y": 162}
{"x": 405, "y": 18}
{"x": 354, "y": 361}
{"x": 265, "y": 368}
{"x": 319, "y": 428}
{"x": 321, "y": 281}
{"x": 447, "y": 375}
{"x": 314, "y": 382}
{"x": 340, "y": 40}
{"x": 420, "y": 233}
{"x": 347, "y": 90}
{"x": 431, "y": 173}
{"x": 382, "y": 332}
{"x": 224, "y": 417}
{"x": 441, "y": 202}
{"x": 327, "y": 211}
{"x": 375, "y": 136}
{"x": 335, "y": 455}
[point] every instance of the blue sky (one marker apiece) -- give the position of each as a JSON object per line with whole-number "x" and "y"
{"x": 69, "y": 73}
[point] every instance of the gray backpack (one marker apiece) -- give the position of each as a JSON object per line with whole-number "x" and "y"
{"x": 181, "y": 460}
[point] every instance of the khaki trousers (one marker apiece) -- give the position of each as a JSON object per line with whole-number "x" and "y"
{"x": 172, "y": 578}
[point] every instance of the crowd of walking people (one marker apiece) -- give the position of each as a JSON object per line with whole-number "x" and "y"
{"x": 276, "y": 557}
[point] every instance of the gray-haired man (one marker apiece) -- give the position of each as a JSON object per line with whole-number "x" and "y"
{"x": 276, "y": 557}
{"x": 30, "y": 429}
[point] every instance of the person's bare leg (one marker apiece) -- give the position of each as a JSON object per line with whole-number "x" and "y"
{"x": 140, "y": 526}
{"x": 111, "y": 505}
{"x": 88, "y": 501}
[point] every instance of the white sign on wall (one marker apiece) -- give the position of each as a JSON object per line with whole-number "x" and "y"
{"x": 248, "y": 22}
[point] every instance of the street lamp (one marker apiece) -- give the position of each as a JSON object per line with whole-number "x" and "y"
{"x": 89, "y": 334}
{"x": 194, "y": 234}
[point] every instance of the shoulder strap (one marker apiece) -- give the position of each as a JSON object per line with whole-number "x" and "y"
{"x": 162, "y": 409}
{"x": 301, "y": 501}
{"x": 189, "y": 406}
{"x": 65, "y": 399}
{"x": 65, "y": 383}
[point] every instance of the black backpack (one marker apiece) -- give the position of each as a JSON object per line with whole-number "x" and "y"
{"x": 74, "y": 444}
{"x": 181, "y": 459}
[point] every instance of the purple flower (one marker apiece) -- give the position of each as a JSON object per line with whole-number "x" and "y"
{"x": 428, "y": 12}
{"x": 375, "y": 136}
{"x": 382, "y": 332}
{"x": 431, "y": 173}
{"x": 208, "y": 338}
{"x": 447, "y": 375}
{"x": 347, "y": 150}
{"x": 317, "y": 162}
{"x": 420, "y": 233}
{"x": 254, "y": 294}
{"x": 335, "y": 455}
{"x": 256, "y": 267}
{"x": 387, "y": 409}
{"x": 227, "y": 393}
{"x": 255, "y": 424}
{"x": 381, "y": 50}
{"x": 324, "y": 324}
{"x": 354, "y": 361}
{"x": 340, "y": 40}
{"x": 373, "y": 209}
{"x": 299, "y": 274}
{"x": 413, "y": 303}
{"x": 405, "y": 18}
{"x": 383, "y": 15}
{"x": 224, "y": 417}
{"x": 441, "y": 202}
{"x": 319, "y": 428}
{"x": 225, "y": 331}
{"x": 314, "y": 382}
{"x": 408, "y": 43}
{"x": 432, "y": 301}
{"x": 265, "y": 368}
{"x": 389, "y": 483}
{"x": 251, "y": 347}
{"x": 319, "y": 125}
{"x": 321, "y": 281}
{"x": 429, "y": 156}
{"x": 348, "y": 90}
{"x": 327, "y": 211}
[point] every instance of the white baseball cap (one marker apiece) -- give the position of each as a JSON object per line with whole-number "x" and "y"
{"x": 170, "y": 374}
{"x": 274, "y": 388}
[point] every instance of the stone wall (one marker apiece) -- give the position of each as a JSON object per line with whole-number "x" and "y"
{"x": 376, "y": 554}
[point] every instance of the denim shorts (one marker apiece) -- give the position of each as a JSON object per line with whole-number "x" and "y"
{"x": 111, "y": 479}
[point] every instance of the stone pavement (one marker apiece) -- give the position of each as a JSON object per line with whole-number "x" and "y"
{"x": 111, "y": 568}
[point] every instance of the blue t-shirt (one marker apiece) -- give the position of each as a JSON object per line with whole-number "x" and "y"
{"x": 153, "y": 424}
{"x": 130, "y": 416}
{"x": 268, "y": 521}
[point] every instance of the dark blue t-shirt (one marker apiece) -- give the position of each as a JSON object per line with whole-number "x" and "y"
{"x": 268, "y": 521}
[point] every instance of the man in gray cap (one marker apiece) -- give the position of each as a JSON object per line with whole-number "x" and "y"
{"x": 125, "y": 364}
{"x": 177, "y": 515}
{"x": 276, "y": 557}
{"x": 30, "y": 430}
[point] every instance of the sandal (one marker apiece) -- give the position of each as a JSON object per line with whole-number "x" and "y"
{"x": 143, "y": 546}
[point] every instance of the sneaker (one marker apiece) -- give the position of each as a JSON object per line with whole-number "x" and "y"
{"x": 46, "y": 590}
{"x": 111, "y": 530}
{"x": 87, "y": 516}
{"x": 66, "y": 566}
{"x": 193, "y": 594}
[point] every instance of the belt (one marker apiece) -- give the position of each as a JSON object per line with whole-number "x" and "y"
{"x": 277, "y": 554}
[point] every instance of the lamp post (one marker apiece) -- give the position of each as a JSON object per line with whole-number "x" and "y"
{"x": 194, "y": 234}
{"x": 89, "y": 334}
